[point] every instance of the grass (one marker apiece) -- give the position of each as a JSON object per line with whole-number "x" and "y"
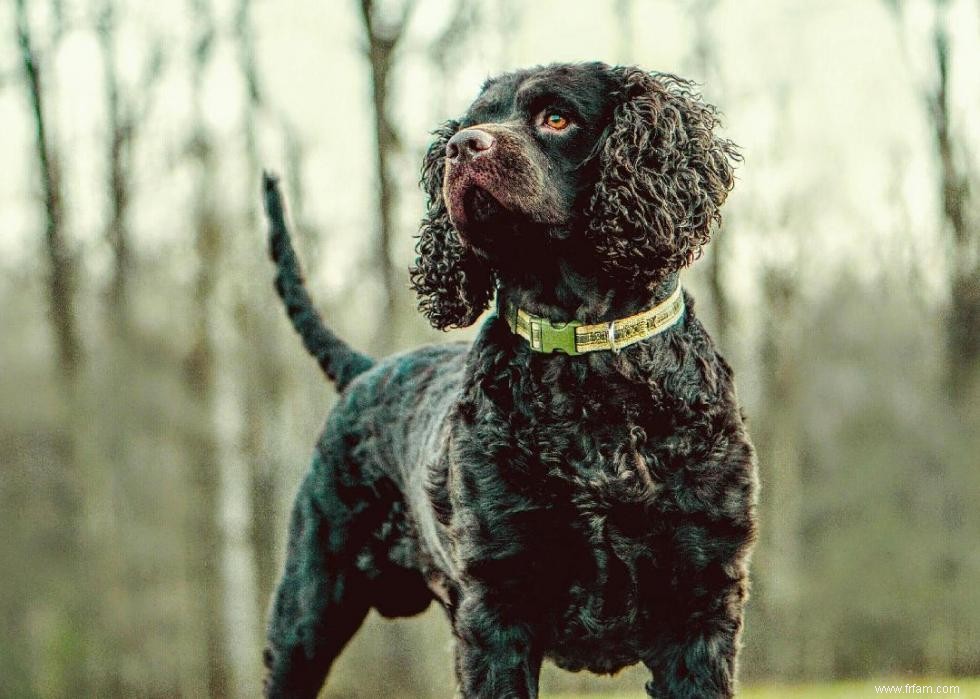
{"x": 855, "y": 689}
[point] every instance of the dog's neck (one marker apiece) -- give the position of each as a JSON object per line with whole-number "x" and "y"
{"x": 560, "y": 291}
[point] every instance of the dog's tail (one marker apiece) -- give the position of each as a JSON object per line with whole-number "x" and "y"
{"x": 338, "y": 360}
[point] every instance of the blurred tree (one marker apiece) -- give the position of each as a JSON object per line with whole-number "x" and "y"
{"x": 780, "y": 448}
{"x": 963, "y": 321}
{"x": 68, "y": 645}
{"x": 203, "y": 536}
{"x": 122, "y": 356}
{"x": 127, "y": 107}
{"x": 258, "y": 321}
{"x": 705, "y": 68}
{"x": 960, "y": 219}
{"x": 61, "y": 260}
{"x": 383, "y": 36}
{"x": 776, "y": 418}
{"x": 955, "y": 184}
{"x": 624, "y": 24}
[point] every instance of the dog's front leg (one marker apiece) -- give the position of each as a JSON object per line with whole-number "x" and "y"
{"x": 700, "y": 661}
{"x": 497, "y": 654}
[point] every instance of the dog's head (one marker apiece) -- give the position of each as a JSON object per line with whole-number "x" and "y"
{"x": 613, "y": 164}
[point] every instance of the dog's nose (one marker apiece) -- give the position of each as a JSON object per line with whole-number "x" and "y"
{"x": 468, "y": 144}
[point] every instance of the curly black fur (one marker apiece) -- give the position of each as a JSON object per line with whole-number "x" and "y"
{"x": 595, "y": 510}
{"x": 454, "y": 287}
{"x": 664, "y": 177}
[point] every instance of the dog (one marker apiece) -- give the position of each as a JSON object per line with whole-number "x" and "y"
{"x": 576, "y": 484}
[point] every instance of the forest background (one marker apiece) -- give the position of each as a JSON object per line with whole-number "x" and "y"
{"x": 157, "y": 412}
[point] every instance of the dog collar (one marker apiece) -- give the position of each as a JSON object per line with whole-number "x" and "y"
{"x": 575, "y": 337}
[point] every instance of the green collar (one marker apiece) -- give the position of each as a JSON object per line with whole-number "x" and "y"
{"x": 575, "y": 338}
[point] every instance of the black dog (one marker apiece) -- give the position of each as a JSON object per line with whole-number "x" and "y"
{"x": 577, "y": 484}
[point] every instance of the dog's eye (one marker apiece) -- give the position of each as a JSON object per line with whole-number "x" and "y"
{"x": 555, "y": 120}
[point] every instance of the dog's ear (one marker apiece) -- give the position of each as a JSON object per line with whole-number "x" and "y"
{"x": 454, "y": 286}
{"x": 663, "y": 176}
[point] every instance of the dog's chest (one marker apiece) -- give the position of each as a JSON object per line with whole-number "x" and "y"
{"x": 604, "y": 493}
{"x": 596, "y": 444}
{"x": 578, "y": 487}
{"x": 598, "y": 502}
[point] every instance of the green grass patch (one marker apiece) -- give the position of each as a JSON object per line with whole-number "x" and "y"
{"x": 853, "y": 689}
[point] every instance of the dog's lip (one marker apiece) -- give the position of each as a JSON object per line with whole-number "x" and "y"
{"x": 459, "y": 185}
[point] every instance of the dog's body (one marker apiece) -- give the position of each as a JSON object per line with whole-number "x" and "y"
{"x": 596, "y": 510}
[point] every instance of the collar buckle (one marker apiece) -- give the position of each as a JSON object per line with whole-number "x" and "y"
{"x": 549, "y": 336}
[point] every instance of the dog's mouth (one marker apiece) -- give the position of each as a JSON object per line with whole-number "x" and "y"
{"x": 480, "y": 207}
{"x": 471, "y": 204}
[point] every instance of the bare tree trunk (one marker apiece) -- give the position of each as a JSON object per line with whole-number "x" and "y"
{"x": 963, "y": 328}
{"x": 72, "y": 603}
{"x": 61, "y": 276}
{"x": 120, "y": 360}
{"x": 204, "y": 535}
{"x": 962, "y": 331}
{"x": 123, "y": 117}
{"x": 782, "y": 468}
{"x": 382, "y": 41}
{"x": 263, "y": 405}
{"x": 963, "y": 320}
{"x": 116, "y": 365}
{"x": 706, "y": 69}
{"x": 624, "y": 21}
{"x": 119, "y": 137}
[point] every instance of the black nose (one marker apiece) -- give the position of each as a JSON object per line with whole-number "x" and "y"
{"x": 468, "y": 144}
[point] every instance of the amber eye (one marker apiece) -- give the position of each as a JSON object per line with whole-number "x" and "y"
{"x": 555, "y": 121}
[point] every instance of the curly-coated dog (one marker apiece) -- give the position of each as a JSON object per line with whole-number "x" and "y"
{"x": 577, "y": 483}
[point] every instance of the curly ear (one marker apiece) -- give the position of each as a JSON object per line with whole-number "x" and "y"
{"x": 663, "y": 176}
{"x": 453, "y": 285}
